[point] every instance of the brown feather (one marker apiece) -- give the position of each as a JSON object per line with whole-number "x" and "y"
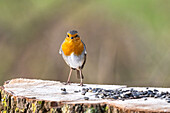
{"x": 84, "y": 61}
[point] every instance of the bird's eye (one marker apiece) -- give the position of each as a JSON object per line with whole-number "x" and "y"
{"x": 76, "y": 36}
{"x": 67, "y": 35}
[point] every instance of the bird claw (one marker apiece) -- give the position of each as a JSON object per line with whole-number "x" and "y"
{"x": 81, "y": 84}
{"x": 66, "y": 83}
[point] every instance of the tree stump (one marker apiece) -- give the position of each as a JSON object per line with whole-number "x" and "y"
{"x": 44, "y": 96}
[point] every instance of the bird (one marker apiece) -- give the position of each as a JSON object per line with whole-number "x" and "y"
{"x": 73, "y": 51}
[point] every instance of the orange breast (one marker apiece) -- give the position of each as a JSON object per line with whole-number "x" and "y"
{"x": 72, "y": 45}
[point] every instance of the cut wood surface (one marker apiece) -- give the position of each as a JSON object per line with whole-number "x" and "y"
{"x": 33, "y": 95}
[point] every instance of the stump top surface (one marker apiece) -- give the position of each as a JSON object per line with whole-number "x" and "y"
{"x": 51, "y": 91}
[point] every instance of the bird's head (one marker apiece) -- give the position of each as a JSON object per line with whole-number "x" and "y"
{"x": 72, "y": 35}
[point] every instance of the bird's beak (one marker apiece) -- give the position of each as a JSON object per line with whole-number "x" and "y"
{"x": 72, "y": 37}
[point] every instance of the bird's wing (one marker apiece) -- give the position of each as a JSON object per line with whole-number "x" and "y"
{"x": 85, "y": 52}
{"x": 60, "y": 50}
{"x": 84, "y": 61}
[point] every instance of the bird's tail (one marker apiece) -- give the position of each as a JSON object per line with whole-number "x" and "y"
{"x": 78, "y": 75}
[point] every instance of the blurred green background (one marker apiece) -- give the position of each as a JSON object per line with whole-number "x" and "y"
{"x": 127, "y": 41}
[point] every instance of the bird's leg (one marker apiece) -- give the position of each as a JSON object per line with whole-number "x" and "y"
{"x": 81, "y": 78}
{"x": 68, "y": 80}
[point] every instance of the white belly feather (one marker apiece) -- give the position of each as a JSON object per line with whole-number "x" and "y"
{"x": 74, "y": 61}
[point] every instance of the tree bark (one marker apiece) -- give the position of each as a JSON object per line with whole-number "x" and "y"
{"x": 43, "y": 96}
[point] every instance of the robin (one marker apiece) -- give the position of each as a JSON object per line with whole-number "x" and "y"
{"x": 73, "y": 51}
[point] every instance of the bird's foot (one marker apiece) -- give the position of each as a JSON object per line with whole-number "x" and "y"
{"x": 66, "y": 83}
{"x": 81, "y": 84}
